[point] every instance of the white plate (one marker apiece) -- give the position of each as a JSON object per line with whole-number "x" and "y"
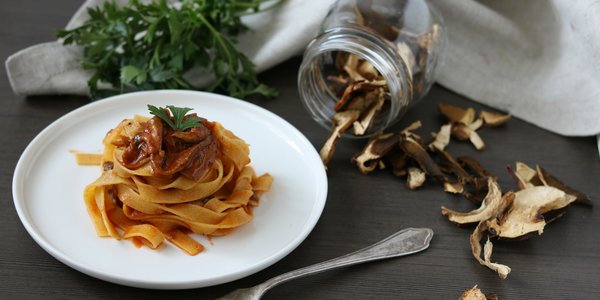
{"x": 48, "y": 195}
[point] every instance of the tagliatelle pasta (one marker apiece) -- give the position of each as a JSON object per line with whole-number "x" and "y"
{"x": 159, "y": 183}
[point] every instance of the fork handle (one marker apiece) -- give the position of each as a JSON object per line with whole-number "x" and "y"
{"x": 404, "y": 242}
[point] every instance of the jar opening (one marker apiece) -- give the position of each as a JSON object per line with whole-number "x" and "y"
{"x": 316, "y": 80}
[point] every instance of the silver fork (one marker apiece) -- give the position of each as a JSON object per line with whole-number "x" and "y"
{"x": 403, "y": 242}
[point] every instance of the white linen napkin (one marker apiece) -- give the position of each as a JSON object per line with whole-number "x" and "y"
{"x": 537, "y": 59}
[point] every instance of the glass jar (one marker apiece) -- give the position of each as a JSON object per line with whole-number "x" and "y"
{"x": 397, "y": 44}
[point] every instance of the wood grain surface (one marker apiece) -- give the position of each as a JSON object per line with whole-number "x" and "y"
{"x": 563, "y": 263}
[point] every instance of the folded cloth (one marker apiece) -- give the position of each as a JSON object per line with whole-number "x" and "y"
{"x": 534, "y": 59}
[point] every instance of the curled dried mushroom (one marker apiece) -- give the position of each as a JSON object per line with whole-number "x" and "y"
{"x": 488, "y": 208}
{"x": 526, "y": 214}
{"x": 456, "y": 114}
{"x": 342, "y": 121}
{"x": 377, "y": 147}
{"x": 526, "y": 176}
{"x": 493, "y": 119}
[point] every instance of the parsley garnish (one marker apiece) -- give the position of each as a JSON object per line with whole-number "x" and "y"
{"x": 144, "y": 46}
{"x": 180, "y": 120}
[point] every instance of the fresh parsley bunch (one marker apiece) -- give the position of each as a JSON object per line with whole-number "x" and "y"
{"x": 145, "y": 46}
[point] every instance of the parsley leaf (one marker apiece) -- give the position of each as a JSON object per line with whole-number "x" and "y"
{"x": 180, "y": 121}
{"x": 151, "y": 45}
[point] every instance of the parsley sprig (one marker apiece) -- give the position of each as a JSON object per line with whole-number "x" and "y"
{"x": 180, "y": 121}
{"x": 144, "y": 46}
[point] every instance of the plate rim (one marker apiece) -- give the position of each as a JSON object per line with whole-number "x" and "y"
{"x": 52, "y": 131}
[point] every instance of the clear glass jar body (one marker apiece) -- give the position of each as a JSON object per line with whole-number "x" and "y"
{"x": 402, "y": 39}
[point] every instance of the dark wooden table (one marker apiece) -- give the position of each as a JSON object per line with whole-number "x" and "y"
{"x": 563, "y": 263}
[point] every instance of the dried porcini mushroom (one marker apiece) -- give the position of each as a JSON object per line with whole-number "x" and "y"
{"x": 368, "y": 159}
{"x": 357, "y": 87}
{"x": 475, "y": 293}
{"x": 367, "y": 70}
{"x": 526, "y": 176}
{"x": 415, "y": 178}
{"x": 453, "y": 166}
{"x": 487, "y": 210}
{"x": 492, "y": 119}
{"x": 463, "y": 132}
{"x": 526, "y": 214}
{"x": 416, "y": 151}
{"x": 360, "y": 126}
{"x": 398, "y": 160}
{"x": 476, "y": 124}
{"x": 550, "y": 180}
{"x": 474, "y": 165}
{"x": 475, "y": 240}
{"x": 456, "y": 114}
{"x": 342, "y": 121}
{"x": 408, "y": 130}
{"x": 441, "y": 139}
{"x": 477, "y": 187}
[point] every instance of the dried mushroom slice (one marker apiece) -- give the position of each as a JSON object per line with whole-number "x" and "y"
{"x": 416, "y": 151}
{"x": 360, "y": 126}
{"x": 475, "y": 293}
{"x": 398, "y": 160}
{"x": 473, "y": 165}
{"x": 492, "y": 119}
{"x": 441, "y": 139}
{"x": 463, "y": 132}
{"x": 475, "y": 240}
{"x": 525, "y": 216}
{"x": 476, "y": 124}
{"x": 453, "y": 166}
{"x": 337, "y": 84}
{"x": 354, "y": 88}
{"x": 526, "y": 177}
{"x": 408, "y": 130}
{"x": 367, "y": 70}
{"x": 351, "y": 68}
{"x": 552, "y": 181}
{"x": 456, "y": 114}
{"x": 416, "y": 178}
{"x": 342, "y": 121}
{"x": 453, "y": 187}
{"x": 368, "y": 159}
{"x": 488, "y": 209}
{"x": 477, "y": 187}
{"x": 450, "y": 166}
{"x": 476, "y": 140}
